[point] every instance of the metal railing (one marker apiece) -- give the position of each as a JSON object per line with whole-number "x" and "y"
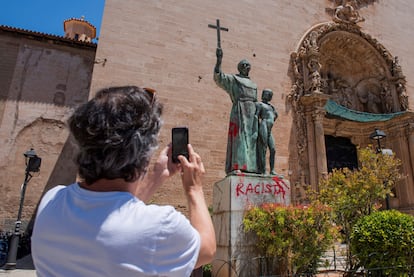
{"x": 333, "y": 263}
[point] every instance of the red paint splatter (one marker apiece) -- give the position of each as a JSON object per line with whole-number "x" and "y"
{"x": 280, "y": 183}
{"x": 239, "y": 170}
{"x": 277, "y": 180}
{"x": 233, "y": 129}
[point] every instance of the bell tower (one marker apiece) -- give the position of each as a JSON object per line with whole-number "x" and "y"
{"x": 79, "y": 29}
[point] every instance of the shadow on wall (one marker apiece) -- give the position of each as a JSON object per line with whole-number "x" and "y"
{"x": 65, "y": 169}
{"x": 64, "y": 172}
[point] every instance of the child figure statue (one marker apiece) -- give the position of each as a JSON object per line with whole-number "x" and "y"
{"x": 267, "y": 116}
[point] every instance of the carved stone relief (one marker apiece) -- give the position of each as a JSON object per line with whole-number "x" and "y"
{"x": 346, "y": 11}
{"x": 350, "y": 66}
{"x": 339, "y": 61}
{"x": 357, "y": 76}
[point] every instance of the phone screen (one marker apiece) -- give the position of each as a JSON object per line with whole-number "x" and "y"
{"x": 179, "y": 143}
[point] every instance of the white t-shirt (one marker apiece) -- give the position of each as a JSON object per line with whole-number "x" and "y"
{"x": 78, "y": 232}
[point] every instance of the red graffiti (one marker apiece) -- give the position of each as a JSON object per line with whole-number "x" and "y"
{"x": 233, "y": 129}
{"x": 279, "y": 181}
{"x": 276, "y": 188}
{"x": 237, "y": 167}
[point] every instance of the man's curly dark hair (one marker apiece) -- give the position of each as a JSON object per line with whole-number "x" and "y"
{"x": 117, "y": 132}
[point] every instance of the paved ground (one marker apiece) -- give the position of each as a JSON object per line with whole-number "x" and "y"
{"x": 24, "y": 268}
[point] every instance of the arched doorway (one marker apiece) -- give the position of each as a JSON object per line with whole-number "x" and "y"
{"x": 344, "y": 85}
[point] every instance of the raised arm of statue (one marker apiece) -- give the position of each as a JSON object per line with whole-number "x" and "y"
{"x": 219, "y": 55}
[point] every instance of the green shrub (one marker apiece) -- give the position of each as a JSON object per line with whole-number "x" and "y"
{"x": 353, "y": 194}
{"x": 293, "y": 236}
{"x": 207, "y": 269}
{"x": 384, "y": 240}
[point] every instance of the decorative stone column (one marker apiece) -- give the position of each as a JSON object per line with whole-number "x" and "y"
{"x": 410, "y": 137}
{"x": 318, "y": 116}
{"x": 314, "y": 114}
{"x": 409, "y": 182}
{"x": 312, "y": 157}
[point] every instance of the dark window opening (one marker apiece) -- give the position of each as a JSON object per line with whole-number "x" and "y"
{"x": 340, "y": 153}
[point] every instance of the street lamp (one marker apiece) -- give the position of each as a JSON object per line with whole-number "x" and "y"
{"x": 378, "y": 135}
{"x": 32, "y": 165}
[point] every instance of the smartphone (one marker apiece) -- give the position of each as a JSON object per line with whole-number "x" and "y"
{"x": 179, "y": 143}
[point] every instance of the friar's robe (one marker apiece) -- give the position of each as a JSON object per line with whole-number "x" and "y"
{"x": 242, "y": 135}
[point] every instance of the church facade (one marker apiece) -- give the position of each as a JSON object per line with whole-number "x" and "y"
{"x": 338, "y": 69}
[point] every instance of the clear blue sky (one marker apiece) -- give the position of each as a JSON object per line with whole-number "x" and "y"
{"x": 47, "y": 16}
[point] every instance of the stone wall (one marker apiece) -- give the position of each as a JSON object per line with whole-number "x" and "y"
{"x": 41, "y": 78}
{"x": 168, "y": 46}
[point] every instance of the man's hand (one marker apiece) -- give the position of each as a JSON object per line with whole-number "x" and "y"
{"x": 164, "y": 167}
{"x": 192, "y": 170}
{"x": 219, "y": 54}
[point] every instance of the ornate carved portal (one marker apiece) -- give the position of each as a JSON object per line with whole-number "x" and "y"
{"x": 338, "y": 64}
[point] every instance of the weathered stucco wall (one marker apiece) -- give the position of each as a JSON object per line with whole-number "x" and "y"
{"x": 41, "y": 80}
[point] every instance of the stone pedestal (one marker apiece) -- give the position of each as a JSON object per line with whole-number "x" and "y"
{"x": 231, "y": 196}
